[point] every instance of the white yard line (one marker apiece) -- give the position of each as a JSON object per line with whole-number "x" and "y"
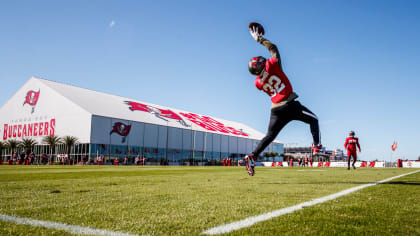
{"x": 256, "y": 219}
{"x": 75, "y": 229}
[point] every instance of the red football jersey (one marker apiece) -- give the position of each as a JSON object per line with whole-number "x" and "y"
{"x": 274, "y": 82}
{"x": 351, "y": 143}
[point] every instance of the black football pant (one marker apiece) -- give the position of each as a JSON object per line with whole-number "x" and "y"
{"x": 280, "y": 116}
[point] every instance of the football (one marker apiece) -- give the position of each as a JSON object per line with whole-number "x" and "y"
{"x": 258, "y": 26}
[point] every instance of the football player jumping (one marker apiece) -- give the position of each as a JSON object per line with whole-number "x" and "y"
{"x": 273, "y": 81}
{"x": 350, "y": 146}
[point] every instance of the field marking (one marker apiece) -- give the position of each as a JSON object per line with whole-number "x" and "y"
{"x": 256, "y": 219}
{"x": 312, "y": 170}
{"x": 74, "y": 229}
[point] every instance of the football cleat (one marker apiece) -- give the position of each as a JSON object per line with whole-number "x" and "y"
{"x": 354, "y": 167}
{"x": 318, "y": 150}
{"x": 250, "y": 164}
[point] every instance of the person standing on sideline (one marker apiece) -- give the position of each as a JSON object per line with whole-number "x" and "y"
{"x": 350, "y": 146}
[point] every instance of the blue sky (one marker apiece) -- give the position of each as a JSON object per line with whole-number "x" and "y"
{"x": 356, "y": 64}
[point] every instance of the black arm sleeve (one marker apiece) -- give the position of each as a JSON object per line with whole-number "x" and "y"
{"x": 272, "y": 48}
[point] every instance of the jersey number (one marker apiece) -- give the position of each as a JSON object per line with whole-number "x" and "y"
{"x": 273, "y": 86}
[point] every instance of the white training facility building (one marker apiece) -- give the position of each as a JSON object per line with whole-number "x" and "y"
{"x": 115, "y": 126}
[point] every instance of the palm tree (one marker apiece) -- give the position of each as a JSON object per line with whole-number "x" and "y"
{"x": 27, "y": 144}
{"x": 273, "y": 155}
{"x": 69, "y": 141}
{"x": 2, "y": 146}
{"x": 12, "y": 144}
{"x": 52, "y": 141}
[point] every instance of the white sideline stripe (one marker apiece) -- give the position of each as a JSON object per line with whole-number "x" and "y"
{"x": 60, "y": 226}
{"x": 255, "y": 219}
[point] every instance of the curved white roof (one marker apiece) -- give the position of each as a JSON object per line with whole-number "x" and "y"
{"x": 108, "y": 105}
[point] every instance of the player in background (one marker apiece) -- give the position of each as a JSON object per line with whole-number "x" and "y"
{"x": 273, "y": 81}
{"x": 350, "y": 146}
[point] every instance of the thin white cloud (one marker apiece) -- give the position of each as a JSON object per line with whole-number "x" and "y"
{"x": 111, "y": 24}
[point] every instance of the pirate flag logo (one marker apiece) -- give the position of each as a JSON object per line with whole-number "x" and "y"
{"x": 32, "y": 99}
{"x": 121, "y": 129}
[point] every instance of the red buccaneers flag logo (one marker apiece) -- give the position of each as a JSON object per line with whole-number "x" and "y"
{"x": 32, "y": 99}
{"x": 159, "y": 113}
{"x": 121, "y": 129}
{"x": 394, "y": 146}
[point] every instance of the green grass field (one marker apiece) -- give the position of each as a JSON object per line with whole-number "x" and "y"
{"x": 190, "y": 200}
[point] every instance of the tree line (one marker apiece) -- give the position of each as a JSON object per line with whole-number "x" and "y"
{"x": 28, "y": 144}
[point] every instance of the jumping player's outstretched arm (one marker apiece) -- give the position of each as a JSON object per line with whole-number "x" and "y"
{"x": 272, "y": 48}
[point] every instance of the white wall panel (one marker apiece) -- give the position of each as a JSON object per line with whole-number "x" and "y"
{"x": 62, "y": 115}
{"x": 242, "y": 145}
{"x": 162, "y": 136}
{"x": 175, "y": 138}
{"x": 224, "y": 143}
{"x": 100, "y": 130}
{"x": 187, "y": 139}
{"x": 199, "y": 141}
{"x": 233, "y": 144}
{"x": 208, "y": 142}
{"x": 150, "y": 135}
{"x": 216, "y": 142}
{"x": 249, "y": 146}
{"x": 136, "y": 134}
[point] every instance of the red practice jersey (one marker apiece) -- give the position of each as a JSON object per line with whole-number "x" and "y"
{"x": 274, "y": 82}
{"x": 351, "y": 143}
